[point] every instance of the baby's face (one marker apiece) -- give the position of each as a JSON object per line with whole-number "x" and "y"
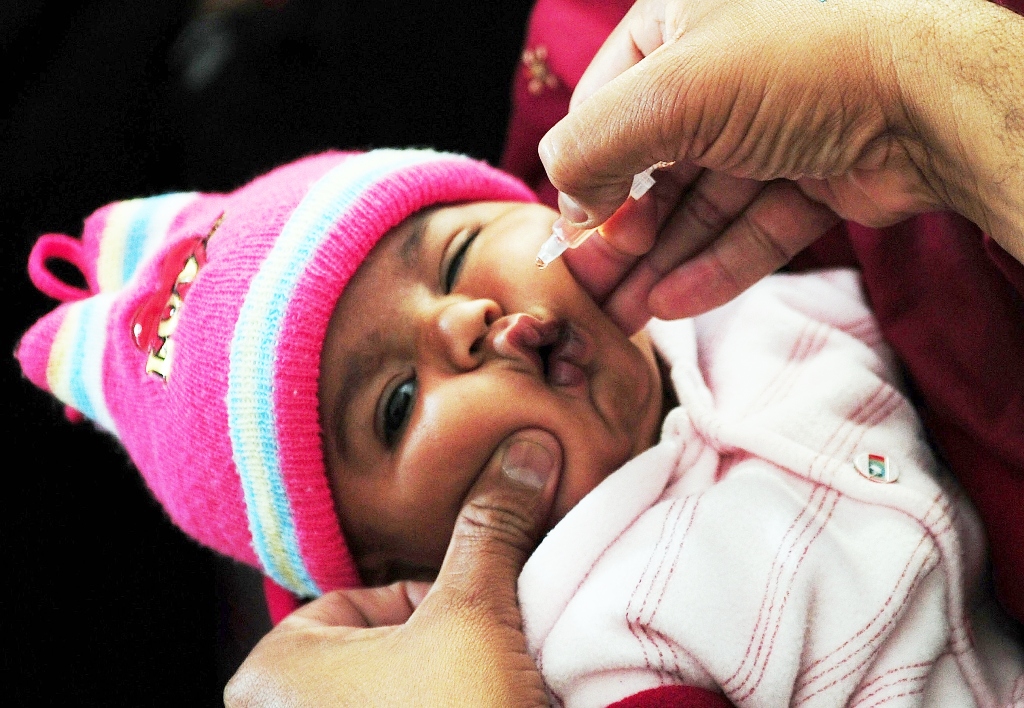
{"x": 446, "y": 341}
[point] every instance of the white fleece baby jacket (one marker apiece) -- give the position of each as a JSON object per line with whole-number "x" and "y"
{"x": 746, "y": 553}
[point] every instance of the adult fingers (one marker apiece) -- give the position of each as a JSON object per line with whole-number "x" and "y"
{"x": 504, "y": 515}
{"x": 472, "y": 607}
{"x": 463, "y": 645}
{"x": 635, "y": 120}
{"x": 497, "y": 528}
{"x": 600, "y": 263}
{"x": 702, "y": 214}
{"x": 776, "y": 226}
{"x": 637, "y": 35}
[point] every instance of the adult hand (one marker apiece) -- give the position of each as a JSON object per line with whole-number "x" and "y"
{"x": 783, "y": 117}
{"x": 459, "y": 642}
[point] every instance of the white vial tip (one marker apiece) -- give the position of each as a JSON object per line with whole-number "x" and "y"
{"x": 552, "y": 249}
{"x": 642, "y": 183}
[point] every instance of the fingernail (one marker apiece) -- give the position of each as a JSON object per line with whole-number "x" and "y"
{"x": 528, "y": 463}
{"x": 416, "y": 591}
{"x": 571, "y": 210}
{"x": 564, "y": 230}
{"x": 545, "y": 151}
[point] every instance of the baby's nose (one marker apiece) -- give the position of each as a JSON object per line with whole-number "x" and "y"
{"x": 461, "y": 331}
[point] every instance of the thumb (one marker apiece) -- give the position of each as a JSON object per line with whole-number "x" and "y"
{"x": 646, "y": 114}
{"x": 500, "y": 523}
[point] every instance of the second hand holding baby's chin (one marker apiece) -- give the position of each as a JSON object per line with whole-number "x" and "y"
{"x": 459, "y": 642}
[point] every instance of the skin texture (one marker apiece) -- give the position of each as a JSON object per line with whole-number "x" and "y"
{"x": 463, "y": 644}
{"x": 783, "y": 118}
{"x": 475, "y": 361}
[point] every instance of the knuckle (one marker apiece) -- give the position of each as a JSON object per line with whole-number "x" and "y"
{"x": 701, "y": 210}
{"x": 727, "y": 274}
{"x": 573, "y": 166}
{"x": 649, "y": 271}
{"x": 482, "y": 607}
{"x": 238, "y": 692}
{"x": 497, "y": 522}
{"x": 761, "y": 237}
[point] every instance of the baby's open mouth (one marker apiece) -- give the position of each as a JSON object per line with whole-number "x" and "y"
{"x": 562, "y": 358}
{"x": 553, "y": 347}
{"x": 545, "y": 358}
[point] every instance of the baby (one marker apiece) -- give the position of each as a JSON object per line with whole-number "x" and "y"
{"x": 347, "y": 337}
{"x": 310, "y": 373}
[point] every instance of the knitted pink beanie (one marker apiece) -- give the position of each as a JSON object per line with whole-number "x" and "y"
{"x": 198, "y": 342}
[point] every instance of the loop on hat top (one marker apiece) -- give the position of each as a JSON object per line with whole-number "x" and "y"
{"x": 53, "y": 246}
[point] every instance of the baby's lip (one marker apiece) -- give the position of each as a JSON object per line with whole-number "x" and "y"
{"x": 521, "y": 336}
{"x": 556, "y": 350}
{"x": 567, "y": 359}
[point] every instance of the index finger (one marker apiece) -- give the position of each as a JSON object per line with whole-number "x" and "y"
{"x": 650, "y": 113}
{"x": 600, "y": 263}
{"x": 637, "y": 35}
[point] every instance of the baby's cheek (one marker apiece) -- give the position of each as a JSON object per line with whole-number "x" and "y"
{"x": 455, "y": 432}
{"x": 626, "y": 391}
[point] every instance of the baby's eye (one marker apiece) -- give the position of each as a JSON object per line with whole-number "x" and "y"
{"x": 455, "y": 264}
{"x": 396, "y": 407}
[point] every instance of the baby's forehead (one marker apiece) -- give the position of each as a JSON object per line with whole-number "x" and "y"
{"x": 411, "y": 234}
{"x": 405, "y": 241}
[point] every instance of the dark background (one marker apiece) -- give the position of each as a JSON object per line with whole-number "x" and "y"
{"x": 105, "y": 602}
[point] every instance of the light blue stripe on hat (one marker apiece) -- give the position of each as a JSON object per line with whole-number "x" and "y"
{"x": 83, "y": 375}
{"x": 149, "y": 227}
{"x": 251, "y": 416}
